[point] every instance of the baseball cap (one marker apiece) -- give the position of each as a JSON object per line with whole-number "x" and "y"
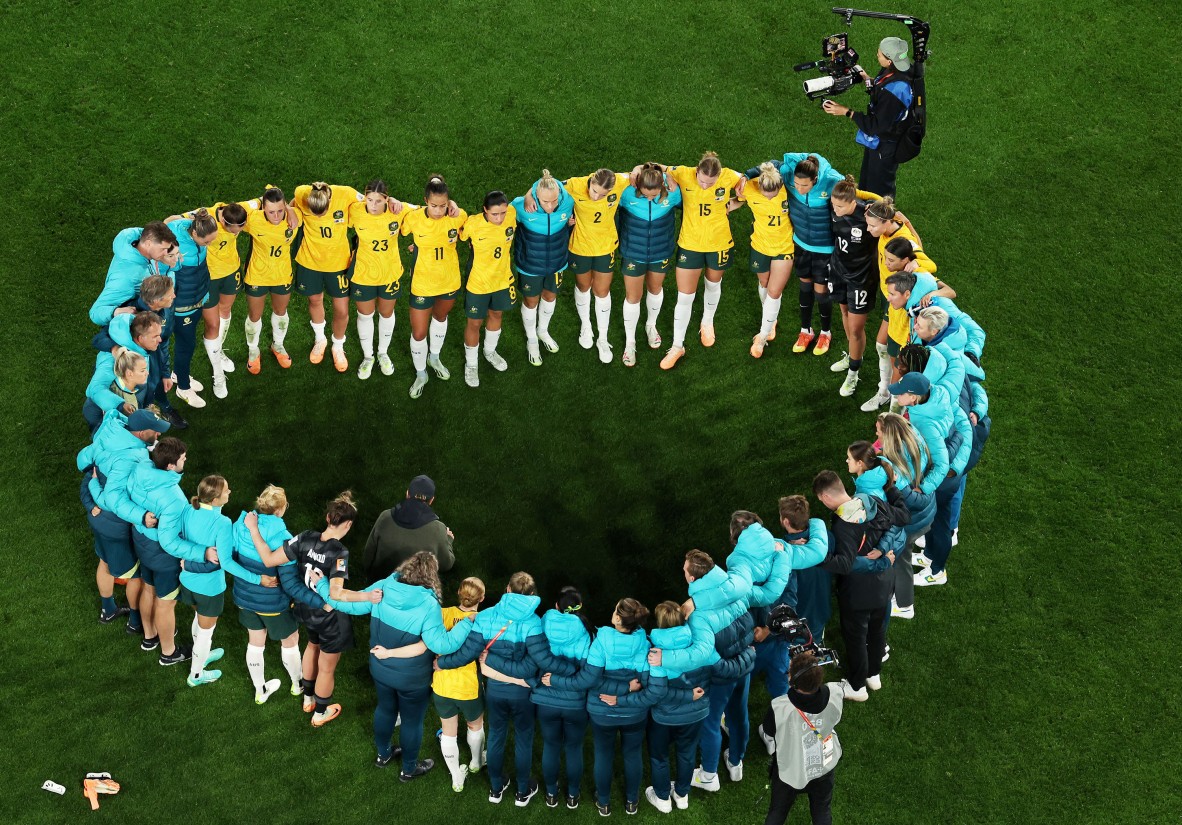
{"x": 421, "y": 487}
{"x": 895, "y": 50}
{"x": 915, "y": 383}
{"x": 146, "y": 420}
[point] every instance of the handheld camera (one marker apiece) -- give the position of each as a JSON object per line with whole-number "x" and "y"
{"x": 839, "y": 63}
{"x": 785, "y": 624}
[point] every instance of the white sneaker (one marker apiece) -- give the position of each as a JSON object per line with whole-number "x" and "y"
{"x": 886, "y": 654}
{"x": 434, "y": 363}
{"x": 663, "y": 805}
{"x": 385, "y": 364}
{"x": 471, "y": 375}
{"x": 849, "y": 385}
{"x": 195, "y": 385}
{"x": 877, "y": 400}
{"x": 629, "y": 357}
{"x": 269, "y": 688}
{"x": 416, "y": 389}
{"x": 586, "y": 337}
{"x": 365, "y": 369}
{"x": 901, "y": 613}
{"x": 549, "y": 343}
{"x": 853, "y": 695}
{"x": 227, "y": 364}
{"x": 920, "y": 560}
{"x": 605, "y": 351}
{"x": 191, "y": 398}
{"x": 926, "y": 578}
{"x": 219, "y": 387}
{"x": 654, "y": 337}
{"x": 874, "y": 682}
{"x": 842, "y": 365}
{"x": 769, "y": 742}
{"x": 533, "y": 353}
{"x": 700, "y": 781}
{"x": 494, "y": 358}
{"x": 681, "y": 802}
{"x": 735, "y": 771}
{"x": 922, "y": 541}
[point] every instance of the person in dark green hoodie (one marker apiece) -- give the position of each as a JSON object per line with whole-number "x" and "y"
{"x": 405, "y": 529}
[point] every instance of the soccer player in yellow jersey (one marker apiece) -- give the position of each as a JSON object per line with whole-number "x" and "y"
{"x": 705, "y": 243}
{"x": 322, "y": 262}
{"x": 375, "y": 272}
{"x": 271, "y": 228}
{"x": 491, "y": 288}
{"x": 458, "y": 691}
{"x": 771, "y": 246}
{"x": 435, "y": 278}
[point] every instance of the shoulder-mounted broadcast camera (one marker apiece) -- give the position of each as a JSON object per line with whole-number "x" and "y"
{"x": 839, "y": 62}
{"x": 786, "y": 625}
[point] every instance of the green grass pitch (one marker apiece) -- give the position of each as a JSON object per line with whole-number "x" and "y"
{"x": 1039, "y": 685}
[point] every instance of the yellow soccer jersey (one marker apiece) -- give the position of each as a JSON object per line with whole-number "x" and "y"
{"x": 270, "y": 250}
{"x": 595, "y": 221}
{"x": 705, "y": 226}
{"x": 437, "y": 264}
{"x": 377, "y": 262}
{"x": 222, "y": 255}
{"x": 325, "y": 247}
{"x": 462, "y": 682}
{"x": 898, "y": 322}
{"x": 771, "y": 231}
{"x": 490, "y": 252}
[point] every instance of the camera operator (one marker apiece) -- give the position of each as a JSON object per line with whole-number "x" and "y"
{"x": 807, "y": 749}
{"x": 881, "y": 127}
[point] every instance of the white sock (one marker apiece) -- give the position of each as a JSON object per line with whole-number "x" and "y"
{"x": 476, "y": 745}
{"x": 318, "y": 330}
{"x": 253, "y": 330}
{"x": 418, "y": 354}
{"x": 603, "y": 314}
{"x": 652, "y": 303}
{"x": 385, "y": 333}
{"x": 338, "y": 343}
{"x": 450, "y": 747}
{"x": 254, "y": 666}
{"x": 491, "y": 338}
{"x": 278, "y": 329}
{"x": 711, "y": 294}
{"x": 529, "y": 320}
{"x": 545, "y": 313}
{"x": 292, "y": 663}
{"x": 365, "y": 333}
{"x": 762, "y": 292}
{"x": 681, "y": 316}
{"x": 223, "y": 328}
{"x": 631, "y": 318}
{"x": 470, "y": 355}
{"x": 438, "y": 333}
{"x": 771, "y": 312}
{"x": 213, "y": 350}
{"x": 583, "y": 305}
{"x": 884, "y": 367}
{"x": 202, "y": 642}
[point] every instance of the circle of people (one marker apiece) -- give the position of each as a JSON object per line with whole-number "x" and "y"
{"x": 683, "y": 685}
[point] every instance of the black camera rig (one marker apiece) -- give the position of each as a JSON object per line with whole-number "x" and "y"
{"x": 839, "y": 62}
{"x": 785, "y": 624}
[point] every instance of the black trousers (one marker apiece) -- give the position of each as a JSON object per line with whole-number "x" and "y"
{"x": 820, "y": 794}
{"x": 864, "y": 632}
{"x": 879, "y": 168}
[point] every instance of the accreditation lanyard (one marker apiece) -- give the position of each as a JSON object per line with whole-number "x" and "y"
{"x": 812, "y": 727}
{"x": 828, "y": 752}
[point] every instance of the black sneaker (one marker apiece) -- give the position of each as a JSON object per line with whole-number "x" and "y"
{"x": 421, "y": 767}
{"x": 133, "y": 630}
{"x": 572, "y": 802}
{"x": 604, "y": 810}
{"x": 523, "y": 798}
{"x": 174, "y": 418}
{"x": 181, "y": 653}
{"x": 494, "y": 796}
{"x": 631, "y": 807}
{"x": 107, "y": 618}
{"x": 551, "y": 800}
{"x": 383, "y": 761}
{"x": 150, "y": 643}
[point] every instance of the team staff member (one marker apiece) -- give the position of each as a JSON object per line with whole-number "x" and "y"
{"x": 771, "y": 246}
{"x": 435, "y": 277}
{"x": 194, "y": 235}
{"x": 405, "y": 529}
{"x": 272, "y": 229}
{"x": 540, "y": 257}
{"x": 881, "y": 127}
{"x": 375, "y": 273}
{"x": 490, "y": 289}
{"x": 705, "y": 243}
{"x": 852, "y": 274}
{"x": 121, "y": 374}
{"x": 322, "y": 261}
{"x": 138, "y": 253}
{"x": 648, "y": 239}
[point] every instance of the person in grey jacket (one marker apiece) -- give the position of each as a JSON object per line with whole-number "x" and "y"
{"x": 405, "y": 529}
{"x": 803, "y": 724}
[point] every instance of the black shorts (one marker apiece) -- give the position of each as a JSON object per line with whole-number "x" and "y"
{"x": 858, "y": 297}
{"x": 332, "y": 631}
{"x": 811, "y": 266}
